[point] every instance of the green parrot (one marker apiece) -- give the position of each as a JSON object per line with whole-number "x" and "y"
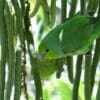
{"x": 73, "y": 37}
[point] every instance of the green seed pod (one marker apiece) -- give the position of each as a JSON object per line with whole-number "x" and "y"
{"x": 3, "y": 43}
{"x": 17, "y": 81}
{"x": 19, "y": 20}
{"x": 22, "y": 2}
{"x": 63, "y": 10}
{"x": 95, "y": 62}
{"x": 83, "y": 7}
{"x": 87, "y": 81}
{"x": 77, "y": 77}
{"x": 37, "y": 79}
{"x": 46, "y": 12}
{"x": 11, "y": 59}
{"x": 70, "y": 69}
{"x": 98, "y": 92}
{"x": 52, "y": 12}
{"x": 73, "y": 8}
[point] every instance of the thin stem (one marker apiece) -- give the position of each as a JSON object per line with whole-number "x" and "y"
{"x": 17, "y": 81}
{"x": 63, "y": 10}
{"x": 77, "y": 77}
{"x": 87, "y": 80}
{"x": 11, "y": 51}
{"x": 95, "y": 63}
{"x": 83, "y": 6}
{"x": 3, "y": 40}
{"x": 98, "y": 91}
{"x": 73, "y": 8}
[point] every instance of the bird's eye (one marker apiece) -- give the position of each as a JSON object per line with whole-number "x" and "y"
{"x": 47, "y": 50}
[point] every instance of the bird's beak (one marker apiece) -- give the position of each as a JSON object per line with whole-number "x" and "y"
{"x": 41, "y": 56}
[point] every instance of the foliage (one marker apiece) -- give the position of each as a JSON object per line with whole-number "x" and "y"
{"x": 72, "y": 27}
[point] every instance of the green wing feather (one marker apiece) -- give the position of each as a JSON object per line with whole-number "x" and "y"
{"x": 74, "y": 37}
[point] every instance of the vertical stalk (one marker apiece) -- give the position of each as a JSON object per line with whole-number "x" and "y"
{"x": 63, "y": 10}
{"x": 17, "y": 81}
{"x": 70, "y": 68}
{"x": 73, "y": 8}
{"x": 46, "y": 12}
{"x": 87, "y": 80}
{"x": 95, "y": 63}
{"x": 22, "y": 3}
{"x": 11, "y": 59}
{"x": 83, "y": 7}
{"x": 37, "y": 80}
{"x": 52, "y": 12}
{"x": 98, "y": 91}
{"x": 77, "y": 77}
{"x": 3, "y": 41}
{"x": 19, "y": 20}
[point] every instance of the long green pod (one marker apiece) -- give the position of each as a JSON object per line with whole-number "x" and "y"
{"x": 95, "y": 58}
{"x": 70, "y": 69}
{"x": 37, "y": 79}
{"x": 3, "y": 41}
{"x": 35, "y": 10}
{"x": 19, "y": 20}
{"x": 17, "y": 81}
{"x": 63, "y": 10}
{"x": 95, "y": 62}
{"x": 52, "y": 12}
{"x": 98, "y": 91}
{"x": 22, "y": 3}
{"x": 46, "y": 12}
{"x": 77, "y": 77}
{"x": 87, "y": 81}
{"x": 11, "y": 60}
{"x": 82, "y": 6}
{"x": 73, "y": 8}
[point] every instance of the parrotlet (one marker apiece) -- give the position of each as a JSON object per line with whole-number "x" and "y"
{"x": 73, "y": 37}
